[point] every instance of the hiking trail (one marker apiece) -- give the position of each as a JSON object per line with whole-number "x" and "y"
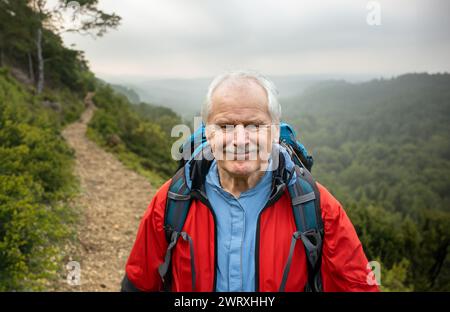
{"x": 111, "y": 202}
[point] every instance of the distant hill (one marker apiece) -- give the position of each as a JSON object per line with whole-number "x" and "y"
{"x": 130, "y": 94}
{"x": 412, "y": 105}
{"x": 185, "y": 96}
{"x": 383, "y": 149}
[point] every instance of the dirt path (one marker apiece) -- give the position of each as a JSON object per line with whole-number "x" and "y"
{"x": 112, "y": 201}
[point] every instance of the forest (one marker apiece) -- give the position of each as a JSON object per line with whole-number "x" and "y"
{"x": 382, "y": 148}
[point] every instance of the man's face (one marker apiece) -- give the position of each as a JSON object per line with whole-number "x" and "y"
{"x": 239, "y": 127}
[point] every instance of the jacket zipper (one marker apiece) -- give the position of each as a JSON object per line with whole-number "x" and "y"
{"x": 272, "y": 200}
{"x": 202, "y": 197}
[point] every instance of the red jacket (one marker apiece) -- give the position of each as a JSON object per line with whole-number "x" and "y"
{"x": 344, "y": 264}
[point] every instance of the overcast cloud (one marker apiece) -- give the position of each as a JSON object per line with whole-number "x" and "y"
{"x": 198, "y": 38}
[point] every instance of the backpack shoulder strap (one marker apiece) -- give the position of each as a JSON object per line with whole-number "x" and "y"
{"x": 305, "y": 197}
{"x": 177, "y": 205}
{"x": 177, "y": 208}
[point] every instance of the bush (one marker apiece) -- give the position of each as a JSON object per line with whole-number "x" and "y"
{"x": 142, "y": 138}
{"x": 35, "y": 179}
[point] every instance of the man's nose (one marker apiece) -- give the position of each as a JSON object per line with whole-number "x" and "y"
{"x": 240, "y": 135}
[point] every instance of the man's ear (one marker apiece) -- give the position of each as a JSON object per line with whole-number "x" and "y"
{"x": 211, "y": 131}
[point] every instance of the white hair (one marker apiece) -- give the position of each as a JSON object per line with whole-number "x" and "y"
{"x": 265, "y": 83}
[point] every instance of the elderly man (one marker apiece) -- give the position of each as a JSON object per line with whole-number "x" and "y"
{"x": 238, "y": 230}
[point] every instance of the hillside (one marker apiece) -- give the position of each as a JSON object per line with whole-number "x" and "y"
{"x": 56, "y": 185}
{"x": 382, "y": 147}
{"x": 36, "y": 184}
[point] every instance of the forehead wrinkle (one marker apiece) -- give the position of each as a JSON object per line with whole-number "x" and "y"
{"x": 242, "y": 115}
{"x": 223, "y": 120}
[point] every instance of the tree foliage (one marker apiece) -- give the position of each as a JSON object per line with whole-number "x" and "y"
{"x": 35, "y": 180}
{"x": 143, "y": 130}
{"x": 382, "y": 148}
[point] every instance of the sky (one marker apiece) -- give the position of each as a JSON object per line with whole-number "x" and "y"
{"x": 201, "y": 38}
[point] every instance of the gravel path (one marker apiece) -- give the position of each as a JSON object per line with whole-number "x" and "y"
{"x": 112, "y": 202}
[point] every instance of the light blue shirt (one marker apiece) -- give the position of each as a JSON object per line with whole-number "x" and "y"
{"x": 236, "y": 230}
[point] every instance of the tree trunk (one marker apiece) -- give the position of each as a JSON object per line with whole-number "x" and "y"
{"x": 30, "y": 68}
{"x": 40, "y": 60}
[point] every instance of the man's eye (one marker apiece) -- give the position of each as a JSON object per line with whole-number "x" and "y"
{"x": 256, "y": 127}
{"x": 248, "y": 127}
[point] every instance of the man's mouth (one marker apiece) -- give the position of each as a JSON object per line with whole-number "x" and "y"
{"x": 240, "y": 154}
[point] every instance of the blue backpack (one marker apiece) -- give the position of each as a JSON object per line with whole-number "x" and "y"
{"x": 304, "y": 195}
